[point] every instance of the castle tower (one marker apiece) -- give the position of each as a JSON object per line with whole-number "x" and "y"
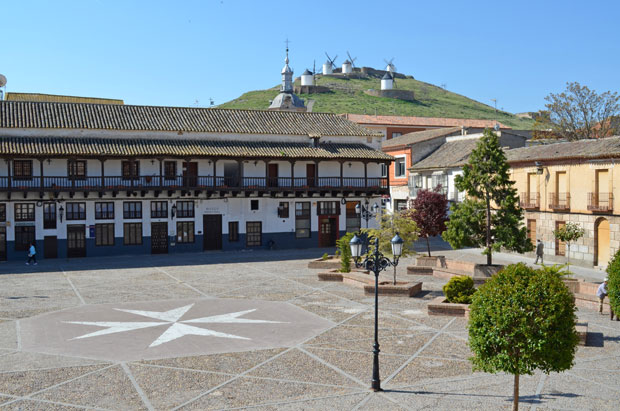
{"x": 287, "y": 100}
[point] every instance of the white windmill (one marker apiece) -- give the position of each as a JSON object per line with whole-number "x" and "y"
{"x": 390, "y": 67}
{"x": 2, "y": 84}
{"x": 329, "y": 65}
{"x": 347, "y": 66}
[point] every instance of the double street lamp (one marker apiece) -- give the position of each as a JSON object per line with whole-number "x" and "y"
{"x": 366, "y": 212}
{"x": 376, "y": 262}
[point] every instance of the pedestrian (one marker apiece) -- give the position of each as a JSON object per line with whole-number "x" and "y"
{"x": 601, "y": 293}
{"x": 32, "y": 254}
{"x": 540, "y": 251}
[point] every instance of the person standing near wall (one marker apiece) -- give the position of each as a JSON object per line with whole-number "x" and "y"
{"x": 540, "y": 252}
{"x": 32, "y": 254}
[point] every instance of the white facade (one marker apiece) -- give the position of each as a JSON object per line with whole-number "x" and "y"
{"x": 346, "y": 67}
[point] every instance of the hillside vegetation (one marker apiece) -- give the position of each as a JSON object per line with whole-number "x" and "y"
{"x": 347, "y": 96}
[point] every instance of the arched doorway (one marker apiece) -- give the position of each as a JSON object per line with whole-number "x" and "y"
{"x": 602, "y": 242}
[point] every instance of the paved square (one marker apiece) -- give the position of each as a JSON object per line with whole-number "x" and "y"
{"x": 256, "y": 329}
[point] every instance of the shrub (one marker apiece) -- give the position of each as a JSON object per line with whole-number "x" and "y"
{"x": 613, "y": 285}
{"x": 521, "y": 320}
{"x": 345, "y": 252}
{"x": 459, "y": 289}
{"x": 325, "y": 257}
{"x": 555, "y": 269}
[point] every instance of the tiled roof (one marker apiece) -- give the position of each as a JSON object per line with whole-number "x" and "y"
{"x": 60, "y": 99}
{"x": 18, "y": 114}
{"x": 450, "y": 154}
{"x": 583, "y": 149}
{"x": 422, "y": 121}
{"x": 118, "y": 147}
{"x": 419, "y": 136}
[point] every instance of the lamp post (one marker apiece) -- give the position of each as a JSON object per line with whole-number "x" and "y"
{"x": 366, "y": 212}
{"x": 376, "y": 262}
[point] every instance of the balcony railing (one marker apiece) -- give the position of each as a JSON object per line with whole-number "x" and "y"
{"x": 559, "y": 201}
{"x": 118, "y": 183}
{"x": 530, "y": 201}
{"x": 600, "y": 202}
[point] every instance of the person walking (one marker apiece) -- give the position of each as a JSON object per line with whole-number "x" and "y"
{"x": 32, "y": 254}
{"x": 540, "y": 251}
{"x": 601, "y": 293}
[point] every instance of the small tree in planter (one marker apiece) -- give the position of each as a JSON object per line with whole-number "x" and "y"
{"x": 613, "y": 284}
{"x": 430, "y": 212}
{"x": 569, "y": 233}
{"x": 459, "y": 289}
{"x": 389, "y": 225}
{"x": 521, "y": 320}
{"x": 474, "y": 223}
{"x": 345, "y": 252}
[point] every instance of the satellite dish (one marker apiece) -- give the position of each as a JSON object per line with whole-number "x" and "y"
{"x": 2, "y": 80}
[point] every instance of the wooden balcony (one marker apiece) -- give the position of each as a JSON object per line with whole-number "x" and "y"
{"x": 600, "y": 202}
{"x": 224, "y": 185}
{"x": 559, "y": 201}
{"x": 530, "y": 201}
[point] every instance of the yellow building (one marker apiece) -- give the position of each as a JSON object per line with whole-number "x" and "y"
{"x": 571, "y": 182}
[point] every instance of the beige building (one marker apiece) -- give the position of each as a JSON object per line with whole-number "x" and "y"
{"x": 571, "y": 182}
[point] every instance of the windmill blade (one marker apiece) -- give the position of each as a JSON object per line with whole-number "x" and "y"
{"x": 351, "y": 59}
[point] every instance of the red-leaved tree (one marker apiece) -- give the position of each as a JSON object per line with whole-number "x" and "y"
{"x": 430, "y": 211}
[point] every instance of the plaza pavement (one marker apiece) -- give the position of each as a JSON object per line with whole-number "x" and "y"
{"x": 325, "y": 365}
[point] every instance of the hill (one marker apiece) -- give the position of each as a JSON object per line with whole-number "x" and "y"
{"x": 347, "y": 96}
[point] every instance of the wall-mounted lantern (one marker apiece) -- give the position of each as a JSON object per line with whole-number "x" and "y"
{"x": 539, "y": 168}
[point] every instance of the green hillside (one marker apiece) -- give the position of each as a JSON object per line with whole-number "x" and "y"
{"x": 348, "y": 96}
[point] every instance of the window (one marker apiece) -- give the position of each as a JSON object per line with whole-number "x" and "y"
{"x": 253, "y": 204}
{"x": 302, "y": 220}
{"x": 2, "y": 212}
{"x": 132, "y": 233}
{"x": 170, "y": 170}
{"x": 24, "y": 212}
{"x": 400, "y": 205}
{"x": 131, "y": 169}
{"x": 76, "y": 169}
{"x": 104, "y": 211}
{"x": 49, "y": 215}
{"x": 185, "y": 209}
{"x": 132, "y": 209}
{"x": 76, "y": 211}
{"x": 104, "y": 234}
{"x": 233, "y": 231}
{"x": 22, "y": 169}
{"x": 159, "y": 209}
{"x": 399, "y": 167}
{"x": 283, "y": 210}
{"x": 253, "y": 233}
{"x": 384, "y": 170}
{"x": 185, "y": 232}
{"x": 24, "y": 236}
{"x": 328, "y": 208}
{"x": 354, "y": 223}
{"x": 396, "y": 134}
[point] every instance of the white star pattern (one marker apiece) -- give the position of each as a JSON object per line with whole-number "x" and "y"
{"x": 177, "y": 327}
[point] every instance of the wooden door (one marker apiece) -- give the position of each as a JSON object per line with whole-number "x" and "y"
{"x": 2, "y": 243}
{"x": 272, "y": 175}
{"x": 76, "y": 241}
{"x": 602, "y": 189}
{"x": 50, "y": 246}
{"x": 190, "y": 174}
{"x": 602, "y": 242}
{"x": 311, "y": 174}
{"x": 560, "y": 246}
{"x": 531, "y": 231}
{"x": 159, "y": 238}
{"x": 328, "y": 231}
{"x": 212, "y": 231}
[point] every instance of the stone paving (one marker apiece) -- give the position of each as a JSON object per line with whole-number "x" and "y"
{"x": 328, "y": 367}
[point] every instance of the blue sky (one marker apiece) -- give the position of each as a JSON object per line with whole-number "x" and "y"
{"x": 179, "y": 52}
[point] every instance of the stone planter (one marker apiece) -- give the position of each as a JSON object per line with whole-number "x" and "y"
{"x": 484, "y": 270}
{"x": 433, "y": 261}
{"x": 439, "y": 306}
{"x": 366, "y": 280}
{"x": 415, "y": 270}
{"x": 401, "y": 288}
{"x": 331, "y": 262}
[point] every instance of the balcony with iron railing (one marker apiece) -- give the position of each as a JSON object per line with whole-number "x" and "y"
{"x": 530, "y": 201}
{"x": 559, "y": 201}
{"x": 118, "y": 183}
{"x": 600, "y": 202}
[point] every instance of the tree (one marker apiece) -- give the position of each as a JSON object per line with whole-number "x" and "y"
{"x": 613, "y": 285}
{"x": 345, "y": 252}
{"x": 569, "y": 233}
{"x": 389, "y": 225}
{"x": 522, "y": 320}
{"x": 473, "y": 223}
{"x": 430, "y": 210}
{"x": 579, "y": 113}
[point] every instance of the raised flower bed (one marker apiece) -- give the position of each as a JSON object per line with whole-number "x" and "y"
{"x": 366, "y": 280}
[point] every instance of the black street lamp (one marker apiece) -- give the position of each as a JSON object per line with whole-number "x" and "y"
{"x": 376, "y": 262}
{"x": 366, "y": 212}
